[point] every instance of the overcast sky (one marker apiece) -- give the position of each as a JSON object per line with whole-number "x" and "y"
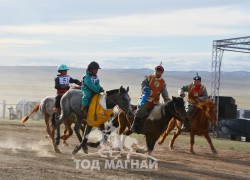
{"x": 122, "y": 33}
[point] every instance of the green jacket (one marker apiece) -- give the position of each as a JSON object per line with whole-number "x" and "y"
{"x": 90, "y": 86}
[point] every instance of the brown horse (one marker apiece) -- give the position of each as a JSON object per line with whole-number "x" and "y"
{"x": 205, "y": 115}
{"x": 46, "y": 107}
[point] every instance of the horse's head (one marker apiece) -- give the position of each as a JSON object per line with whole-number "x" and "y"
{"x": 209, "y": 108}
{"x": 124, "y": 100}
{"x": 120, "y": 98}
{"x": 179, "y": 111}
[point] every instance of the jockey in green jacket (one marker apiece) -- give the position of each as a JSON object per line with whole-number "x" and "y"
{"x": 90, "y": 84}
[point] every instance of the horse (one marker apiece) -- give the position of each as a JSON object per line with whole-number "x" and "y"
{"x": 154, "y": 123}
{"x": 205, "y": 115}
{"x": 71, "y": 103}
{"x": 158, "y": 119}
{"x": 46, "y": 108}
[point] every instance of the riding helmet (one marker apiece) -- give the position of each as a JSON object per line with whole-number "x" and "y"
{"x": 62, "y": 67}
{"x": 93, "y": 65}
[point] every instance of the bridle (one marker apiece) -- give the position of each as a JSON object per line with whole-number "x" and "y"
{"x": 118, "y": 105}
{"x": 177, "y": 114}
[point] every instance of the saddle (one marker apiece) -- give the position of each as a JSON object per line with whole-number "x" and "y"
{"x": 98, "y": 113}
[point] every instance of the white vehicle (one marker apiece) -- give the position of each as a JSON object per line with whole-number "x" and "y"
{"x": 24, "y": 107}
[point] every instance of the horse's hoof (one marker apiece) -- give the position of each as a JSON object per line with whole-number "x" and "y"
{"x": 128, "y": 156}
{"x": 192, "y": 152}
{"x": 93, "y": 144}
{"x": 160, "y": 142}
{"x": 76, "y": 149}
{"x": 150, "y": 160}
{"x": 57, "y": 150}
{"x": 214, "y": 151}
{"x": 142, "y": 151}
{"x": 57, "y": 142}
{"x": 85, "y": 148}
{"x": 65, "y": 144}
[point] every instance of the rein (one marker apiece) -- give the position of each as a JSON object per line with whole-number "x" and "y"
{"x": 177, "y": 115}
{"x": 115, "y": 104}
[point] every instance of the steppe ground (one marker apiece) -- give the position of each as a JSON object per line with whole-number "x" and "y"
{"x": 25, "y": 153}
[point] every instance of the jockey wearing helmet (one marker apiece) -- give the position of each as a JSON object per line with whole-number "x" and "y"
{"x": 62, "y": 82}
{"x": 196, "y": 92}
{"x": 90, "y": 85}
{"x": 152, "y": 86}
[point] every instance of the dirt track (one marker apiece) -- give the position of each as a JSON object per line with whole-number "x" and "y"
{"x": 25, "y": 153}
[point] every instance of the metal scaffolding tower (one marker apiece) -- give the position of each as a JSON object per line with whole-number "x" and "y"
{"x": 240, "y": 44}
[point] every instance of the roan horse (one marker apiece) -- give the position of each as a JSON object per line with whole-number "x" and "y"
{"x": 199, "y": 125}
{"x": 71, "y": 103}
{"x": 46, "y": 108}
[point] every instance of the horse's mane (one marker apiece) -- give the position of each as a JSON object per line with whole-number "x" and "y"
{"x": 208, "y": 108}
{"x": 111, "y": 92}
{"x": 206, "y": 104}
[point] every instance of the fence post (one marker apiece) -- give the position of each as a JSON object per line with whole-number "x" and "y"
{"x": 4, "y": 107}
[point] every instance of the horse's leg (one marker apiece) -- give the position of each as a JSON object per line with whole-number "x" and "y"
{"x": 175, "y": 135}
{"x": 77, "y": 128}
{"x": 192, "y": 142}
{"x": 55, "y": 145}
{"x": 46, "y": 120}
{"x": 50, "y": 129}
{"x": 119, "y": 145}
{"x": 170, "y": 127}
{"x": 122, "y": 123}
{"x": 206, "y": 135}
{"x": 84, "y": 141}
{"x": 123, "y": 138}
{"x": 66, "y": 136}
{"x": 150, "y": 144}
{"x": 83, "y": 126}
{"x": 104, "y": 137}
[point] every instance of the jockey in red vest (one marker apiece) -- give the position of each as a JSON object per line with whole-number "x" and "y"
{"x": 156, "y": 86}
{"x": 196, "y": 92}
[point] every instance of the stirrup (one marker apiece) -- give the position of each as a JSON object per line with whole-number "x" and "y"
{"x": 183, "y": 127}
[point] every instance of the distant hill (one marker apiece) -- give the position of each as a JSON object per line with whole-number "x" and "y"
{"x": 28, "y": 82}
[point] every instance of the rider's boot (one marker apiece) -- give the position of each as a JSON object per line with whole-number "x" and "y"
{"x": 185, "y": 125}
{"x": 135, "y": 126}
{"x": 84, "y": 111}
{"x": 54, "y": 116}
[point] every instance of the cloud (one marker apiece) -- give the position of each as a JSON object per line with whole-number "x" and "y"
{"x": 204, "y": 21}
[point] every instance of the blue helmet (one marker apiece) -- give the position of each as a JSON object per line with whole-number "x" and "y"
{"x": 62, "y": 67}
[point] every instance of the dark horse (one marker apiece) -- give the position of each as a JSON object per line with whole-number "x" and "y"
{"x": 71, "y": 103}
{"x": 154, "y": 124}
{"x": 199, "y": 125}
{"x": 157, "y": 121}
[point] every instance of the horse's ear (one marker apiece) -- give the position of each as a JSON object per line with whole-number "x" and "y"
{"x": 173, "y": 98}
{"x": 127, "y": 89}
{"x": 121, "y": 90}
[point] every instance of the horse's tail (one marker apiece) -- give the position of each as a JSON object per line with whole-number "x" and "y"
{"x": 35, "y": 109}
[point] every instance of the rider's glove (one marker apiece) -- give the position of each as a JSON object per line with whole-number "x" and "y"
{"x": 101, "y": 90}
{"x": 145, "y": 89}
